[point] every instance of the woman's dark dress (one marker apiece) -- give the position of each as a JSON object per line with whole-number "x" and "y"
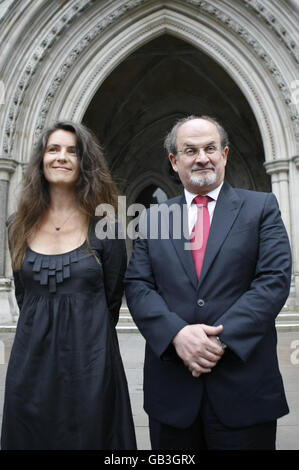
{"x": 65, "y": 385}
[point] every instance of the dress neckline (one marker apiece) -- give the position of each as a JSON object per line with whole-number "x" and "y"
{"x": 58, "y": 254}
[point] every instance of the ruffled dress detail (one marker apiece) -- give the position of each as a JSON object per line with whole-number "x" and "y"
{"x": 51, "y": 270}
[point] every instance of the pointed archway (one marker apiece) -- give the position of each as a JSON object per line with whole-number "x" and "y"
{"x": 162, "y": 81}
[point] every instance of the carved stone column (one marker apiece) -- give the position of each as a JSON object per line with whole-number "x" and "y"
{"x": 279, "y": 171}
{"x": 283, "y": 186}
{"x": 296, "y": 161}
{"x": 7, "y": 167}
{"x": 295, "y": 220}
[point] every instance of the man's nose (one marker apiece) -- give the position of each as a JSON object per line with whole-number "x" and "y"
{"x": 202, "y": 156}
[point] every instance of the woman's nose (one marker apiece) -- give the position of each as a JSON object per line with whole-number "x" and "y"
{"x": 62, "y": 154}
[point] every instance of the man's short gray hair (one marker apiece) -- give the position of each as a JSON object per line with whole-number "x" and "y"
{"x": 170, "y": 139}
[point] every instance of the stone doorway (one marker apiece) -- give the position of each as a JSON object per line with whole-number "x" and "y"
{"x": 138, "y": 103}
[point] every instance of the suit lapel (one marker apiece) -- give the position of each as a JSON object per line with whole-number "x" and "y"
{"x": 227, "y": 208}
{"x": 178, "y": 231}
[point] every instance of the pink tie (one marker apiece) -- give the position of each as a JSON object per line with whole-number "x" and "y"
{"x": 200, "y": 232}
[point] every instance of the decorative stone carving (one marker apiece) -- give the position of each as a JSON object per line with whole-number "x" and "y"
{"x": 277, "y": 166}
{"x": 282, "y": 32}
{"x": 247, "y": 37}
{"x": 7, "y": 167}
{"x": 76, "y": 52}
{"x": 75, "y": 9}
{"x": 296, "y": 160}
{"x": 4, "y": 7}
{"x": 279, "y": 171}
{"x": 37, "y": 56}
{"x": 262, "y": 11}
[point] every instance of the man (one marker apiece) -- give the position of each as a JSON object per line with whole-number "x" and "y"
{"x": 211, "y": 376}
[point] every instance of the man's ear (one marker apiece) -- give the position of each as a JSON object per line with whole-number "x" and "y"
{"x": 224, "y": 154}
{"x": 173, "y": 161}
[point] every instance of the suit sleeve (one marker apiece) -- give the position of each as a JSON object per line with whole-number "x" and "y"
{"x": 156, "y": 322}
{"x": 249, "y": 318}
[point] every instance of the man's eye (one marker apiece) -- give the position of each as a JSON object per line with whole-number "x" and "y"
{"x": 190, "y": 152}
{"x": 210, "y": 149}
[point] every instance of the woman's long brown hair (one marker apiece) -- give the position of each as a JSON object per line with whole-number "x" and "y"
{"x": 93, "y": 187}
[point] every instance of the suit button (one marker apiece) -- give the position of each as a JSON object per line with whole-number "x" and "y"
{"x": 200, "y": 302}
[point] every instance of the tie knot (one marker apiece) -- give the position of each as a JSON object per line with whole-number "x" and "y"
{"x": 202, "y": 200}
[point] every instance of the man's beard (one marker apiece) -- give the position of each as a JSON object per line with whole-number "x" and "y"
{"x": 202, "y": 180}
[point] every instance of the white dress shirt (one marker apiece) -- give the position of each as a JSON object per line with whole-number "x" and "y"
{"x": 192, "y": 208}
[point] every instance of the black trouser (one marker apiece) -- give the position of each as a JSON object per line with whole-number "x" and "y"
{"x": 207, "y": 433}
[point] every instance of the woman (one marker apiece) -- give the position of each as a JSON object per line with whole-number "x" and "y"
{"x": 65, "y": 385}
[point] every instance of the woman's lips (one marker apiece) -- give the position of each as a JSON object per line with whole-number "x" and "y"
{"x": 61, "y": 168}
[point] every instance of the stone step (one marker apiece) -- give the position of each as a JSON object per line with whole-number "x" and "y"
{"x": 287, "y": 320}
{"x": 126, "y": 323}
{"x": 290, "y": 308}
{"x": 288, "y": 316}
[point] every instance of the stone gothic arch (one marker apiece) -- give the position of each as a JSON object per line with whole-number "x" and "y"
{"x": 55, "y": 57}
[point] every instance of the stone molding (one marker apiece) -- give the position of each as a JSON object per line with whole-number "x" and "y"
{"x": 77, "y": 50}
{"x": 5, "y": 6}
{"x": 245, "y": 35}
{"x": 5, "y": 284}
{"x": 266, "y": 13}
{"x": 296, "y": 161}
{"x": 76, "y": 8}
{"x": 208, "y": 8}
{"x": 263, "y": 11}
{"x": 37, "y": 56}
{"x": 7, "y": 167}
{"x": 277, "y": 166}
{"x": 178, "y": 26}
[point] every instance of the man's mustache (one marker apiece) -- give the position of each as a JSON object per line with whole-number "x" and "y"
{"x": 202, "y": 167}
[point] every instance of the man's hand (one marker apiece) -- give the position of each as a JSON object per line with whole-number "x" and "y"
{"x": 199, "y": 347}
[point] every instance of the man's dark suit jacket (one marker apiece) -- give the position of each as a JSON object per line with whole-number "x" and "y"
{"x": 244, "y": 284}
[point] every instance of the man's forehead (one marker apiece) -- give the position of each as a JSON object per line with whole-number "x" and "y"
{"x": 198, "y": 128}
